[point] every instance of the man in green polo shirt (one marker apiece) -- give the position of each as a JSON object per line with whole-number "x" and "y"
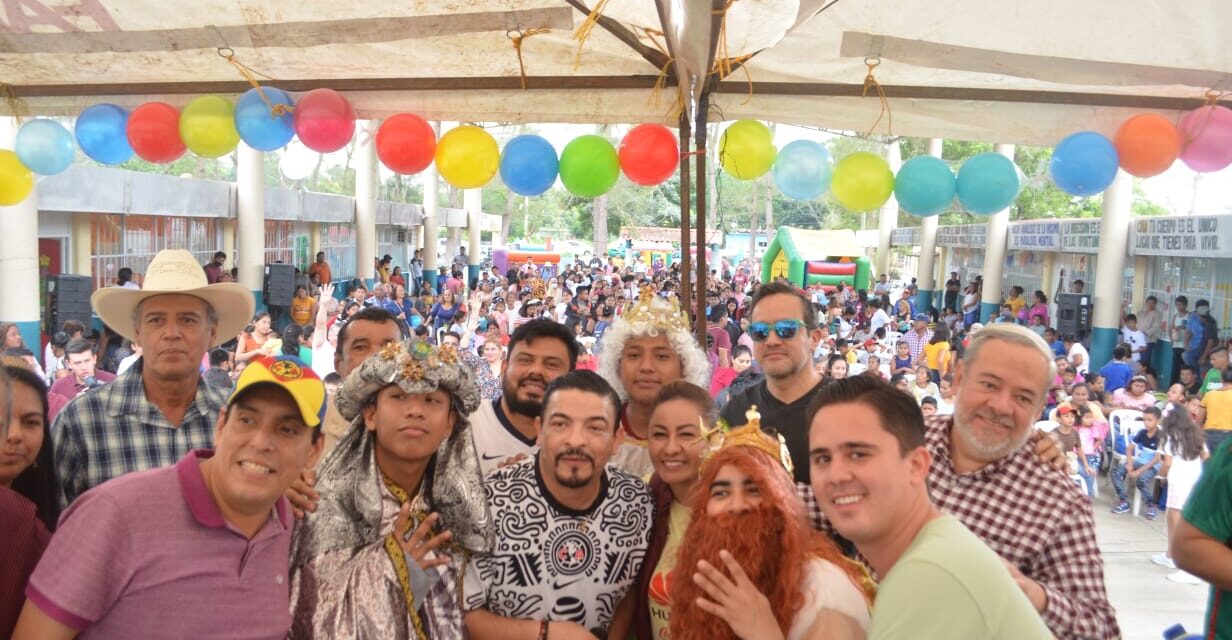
{"x": 1212, "y": 380}
{"x": 1199, "y": 544}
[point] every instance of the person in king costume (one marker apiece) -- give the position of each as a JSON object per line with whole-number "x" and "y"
{"x": 402, "y": 504}
{"x": 648, "y": 346}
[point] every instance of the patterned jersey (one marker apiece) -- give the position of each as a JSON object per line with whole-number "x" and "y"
{"x": 551, "y": 562}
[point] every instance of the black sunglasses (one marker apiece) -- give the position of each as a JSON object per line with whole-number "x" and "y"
{"x": 786, "y": 329}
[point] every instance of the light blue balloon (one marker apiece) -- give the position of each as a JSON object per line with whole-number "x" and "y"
{"x": 987, "y": 183}
{"x": 102, "y": 133}
{"x": 44, "y": 146}
{"x": 528, "y": 165}
{"x": 1084, "y": 164}
{"x": 256, "y": 123}
{"x": 925, "y": 186}
{"x": 803, "y": 170}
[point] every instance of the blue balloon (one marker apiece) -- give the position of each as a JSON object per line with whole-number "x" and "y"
{"x": 925, "y": 186}
{"x": 256, "y": 123}
{"x": 45, "y": 146}
{"x": 528, "y": 165}
{"x": 803, "y": 170}
{"x": 1084, "y": 164}
{"x": 102, "y": 133}
{"x": 987, "y": 183}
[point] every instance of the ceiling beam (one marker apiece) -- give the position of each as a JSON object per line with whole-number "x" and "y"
{"x": 904, "y": 92}
{"x": 537, "y": 83}
{"x": 622, "y": 33}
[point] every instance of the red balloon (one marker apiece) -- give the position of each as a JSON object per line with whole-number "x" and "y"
{"x": 324, "y": 120}
{"x": 406, "y": 143}
{"x": 649, "y": 154}
{"x": 154, "y": 132}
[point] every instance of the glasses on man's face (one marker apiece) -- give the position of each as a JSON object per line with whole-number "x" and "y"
{"x": 786, "y": 329}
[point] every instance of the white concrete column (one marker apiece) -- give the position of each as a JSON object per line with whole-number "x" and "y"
{"x": 82, "y": 245}
{"x": 453, "y": 237}
{"x": 250, "y": 219}
{"x": 1110, "y": 268}
{"x": 887, "y": 219}
{"x": 472, "y": 200}
{"x": 994, "y": 252}
{"x": 928, "y": 295}
{"x": 365, "y": 200}
{"x": 19, "y": 257}
{"x": 314, "y": 240}
{"x": 431, "y": 228}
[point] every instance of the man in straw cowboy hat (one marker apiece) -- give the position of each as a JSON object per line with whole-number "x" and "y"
{"x": 159, "y": 409}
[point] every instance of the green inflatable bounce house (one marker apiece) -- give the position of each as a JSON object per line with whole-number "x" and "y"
{"x": 809, "y": 258}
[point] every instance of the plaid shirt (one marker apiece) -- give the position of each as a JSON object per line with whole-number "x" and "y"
{"x": 1029, "y": 515}
{"x": 915, "y": 344}
{"x": 114, "y": 430}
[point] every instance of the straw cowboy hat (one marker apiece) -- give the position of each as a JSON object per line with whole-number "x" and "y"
{"x": 175, "y": 271}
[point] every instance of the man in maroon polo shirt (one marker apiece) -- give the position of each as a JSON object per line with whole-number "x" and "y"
{"x": 199, "y": 549}
{"x": 83, "y": 375}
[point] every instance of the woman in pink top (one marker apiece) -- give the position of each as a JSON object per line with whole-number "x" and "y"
{"x": 1134, "y": 395}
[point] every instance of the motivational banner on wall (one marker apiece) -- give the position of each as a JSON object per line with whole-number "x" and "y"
{"x": 1035, "y": 235}
{"x": 1080, "y": 236}
{"x": 1183, "y": 236}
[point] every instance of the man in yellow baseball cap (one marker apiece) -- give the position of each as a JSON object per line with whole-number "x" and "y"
{"x": 212, "y": 532}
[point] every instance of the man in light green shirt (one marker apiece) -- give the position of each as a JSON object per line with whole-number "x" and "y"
{"x": 869, "y": 469}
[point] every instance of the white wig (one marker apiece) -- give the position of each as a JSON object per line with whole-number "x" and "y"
{"x": 693, "y": 361}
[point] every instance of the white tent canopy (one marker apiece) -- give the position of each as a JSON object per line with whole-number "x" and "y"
{"x": 970, "y": 69}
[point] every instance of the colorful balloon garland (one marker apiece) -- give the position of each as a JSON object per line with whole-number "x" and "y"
{"x": 267, "y": 119}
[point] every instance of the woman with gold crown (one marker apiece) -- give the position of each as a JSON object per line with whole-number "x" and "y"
{"x": 648, "y": 346}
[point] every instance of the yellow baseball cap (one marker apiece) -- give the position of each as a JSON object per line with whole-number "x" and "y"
{"x": 292, "y": 375}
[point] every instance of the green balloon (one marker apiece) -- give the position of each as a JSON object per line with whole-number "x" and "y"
{"x": 589, "y": 166}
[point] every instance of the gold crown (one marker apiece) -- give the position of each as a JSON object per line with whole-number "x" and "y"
{"x": 749, "y": 435}
{"x": 644, "y": 311}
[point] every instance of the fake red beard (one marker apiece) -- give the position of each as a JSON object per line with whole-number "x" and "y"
{"x": 756, "y": 540}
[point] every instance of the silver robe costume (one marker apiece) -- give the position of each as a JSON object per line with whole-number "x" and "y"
{"x": 346, "y": 577}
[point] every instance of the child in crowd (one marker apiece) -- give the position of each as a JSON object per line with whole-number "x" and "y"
{"x": 928, "y": 406}
{"x": 902, "y": 360}
{"x": 1089, "y": 461}
{"x": 874, "y": 367}
{"x": 945, "y": 398}
{"x": 1184, "y": 452}
{"x": 1142, "y": 462}
{"x": 1067, "y": 436}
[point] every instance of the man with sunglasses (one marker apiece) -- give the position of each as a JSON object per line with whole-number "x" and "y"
{"x": 783, "y": 326}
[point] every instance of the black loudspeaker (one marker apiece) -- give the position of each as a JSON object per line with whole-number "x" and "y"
{"x": 68, "y": 298}
{"x": 279, "y": 285}
{"x": 1074, "y": 314}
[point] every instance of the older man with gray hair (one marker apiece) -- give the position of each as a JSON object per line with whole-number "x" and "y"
{"x": 986, "y": 473}
{"x": 159, "y": 409}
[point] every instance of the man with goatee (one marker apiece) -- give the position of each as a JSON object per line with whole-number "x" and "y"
{"x": 750, "y": 566}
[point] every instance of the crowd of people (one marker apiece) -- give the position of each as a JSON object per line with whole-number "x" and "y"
{"x": 549, "y": 452}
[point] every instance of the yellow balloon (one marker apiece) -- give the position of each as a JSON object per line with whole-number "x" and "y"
{"x": 746, "y": 149}
{"x": 862, "y": 181}
{"x": 207, "y": 126}
{"x": 467, "y": 157}
{"x": 16, "y": 181}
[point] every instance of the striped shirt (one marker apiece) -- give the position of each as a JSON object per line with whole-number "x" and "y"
{"x": 115, "y": 429}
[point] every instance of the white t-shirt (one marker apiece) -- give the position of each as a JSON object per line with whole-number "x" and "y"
{"x": 496, "y": 439}
{"x": 827, "y": 587}
{"x": 880, "y": 319}
{"x": 557, "y": 563}
{"x": 323, "y": 359}
{"x": 1085, "y": 367}
{"x": 1136, "y": 339}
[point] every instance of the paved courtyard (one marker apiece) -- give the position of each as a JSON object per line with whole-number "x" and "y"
{"x": 1146, "y": 602}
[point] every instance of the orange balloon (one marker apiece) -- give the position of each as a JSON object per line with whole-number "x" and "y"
{"x": 1147, "y": 145}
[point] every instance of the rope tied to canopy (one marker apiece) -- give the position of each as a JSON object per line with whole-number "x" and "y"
{"x": 584, "y": 30}
{"x": 277, "y": 110}
{"x": 870, "y": 82}
{"x": 723, "y": 62}
{"x": 518, "y": 36}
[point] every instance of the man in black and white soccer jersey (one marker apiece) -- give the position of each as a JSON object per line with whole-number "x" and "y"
{"x": 571, "y": 532}
{"x": 506, "y": 428}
